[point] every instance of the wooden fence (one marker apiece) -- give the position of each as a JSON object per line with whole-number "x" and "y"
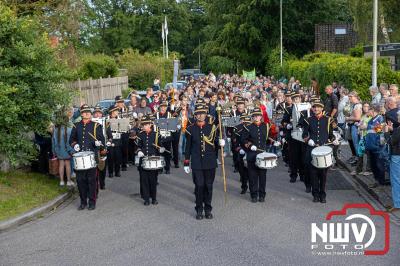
{"x": 92, "y": 91}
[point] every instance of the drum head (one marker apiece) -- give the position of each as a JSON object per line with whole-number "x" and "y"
{"x": 267, "y": 155}
{"x": 323, "y": 150}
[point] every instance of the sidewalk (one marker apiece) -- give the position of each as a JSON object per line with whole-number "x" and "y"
{"x": 383, "y": 193}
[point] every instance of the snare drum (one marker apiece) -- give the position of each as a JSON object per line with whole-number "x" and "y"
{"x": 153, "y": 162}
{"x": 322, "y": 157}
{"x": 266, "y": 160}
{"x": 84, "y": 160}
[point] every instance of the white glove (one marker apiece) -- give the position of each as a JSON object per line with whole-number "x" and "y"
{"x": 187, "y": 169}
{"x": 162, "y": 149}
{"x": 281, "y": 133}
{"x": 221, "y": 142}
{"x": 134, "y": 115}
{"x": 77, "y": 148}
{"x": 283, "y": 140}
{"x": 172, "y": 107}
{"x": 253, "y": 148}
{"x": 140, "y": 154}
{"x": 178, "y": 126}
{"x": 228, "y": 139}
{"x": 336, "y": 142}
{"x": 311, "y": 143}
{"x": 97, "y": 143}
{"x": 277, "y": 144}
{"x": 289, "y": 126}
{"x": 108, "y": 144}
{"x": 242, "y": 152}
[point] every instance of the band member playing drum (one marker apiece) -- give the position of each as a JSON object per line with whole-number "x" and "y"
{"x": 86, "y": 136}
{"x": 236, "y": 144}
{"x": 166, "y": 136}
{"x": 147, "y": 143}
{"x": 201, "y": 156}
{"x": 318, "y": 132}
{"x": 254, "y": 142}
{"x": 114, "y": 158}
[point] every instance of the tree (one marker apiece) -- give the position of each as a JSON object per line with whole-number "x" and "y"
{"x": 30, "y": 84}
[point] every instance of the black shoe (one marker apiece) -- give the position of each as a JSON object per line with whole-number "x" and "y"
{"x": 209, "y": 215}
{"x": 118, "y": 174}
{"x": 316, "y": 199}
{"x": 323, "y": 201}
{"x": 154, "y": 202}
{"x": 302, "y": 178}
{"x": 124, "y": 169}
{"x": 81, "y": 207}
{"x": 244, "y": 190}
{"x": 167, "y": 172}
{"x": 199, "y": 216}
{"x": 292, "y": 180}
{"x": 92, "y": 207}
{"x": 261, "y": 199}
{"x": 146, "y": 203}
{"x": 308, "y": 190}
{"x": 176, "y": 165}
{"x": 111, "y": 175}
{"x": 254, "y": 200}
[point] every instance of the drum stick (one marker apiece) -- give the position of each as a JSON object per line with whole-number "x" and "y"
{"x": 160, "y": 147}
{"x": 90, "y": 134}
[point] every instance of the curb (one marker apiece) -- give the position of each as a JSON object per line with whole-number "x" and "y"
{"x": 32, "y": 214}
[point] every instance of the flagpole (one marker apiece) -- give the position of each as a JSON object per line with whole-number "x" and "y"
{"x": 163, "y": 40}
{"x": 166, "y": 36}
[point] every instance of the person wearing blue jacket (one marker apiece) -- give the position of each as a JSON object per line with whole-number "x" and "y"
{"x": 374, "y": 144}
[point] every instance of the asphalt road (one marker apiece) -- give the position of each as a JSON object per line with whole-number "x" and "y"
{"x": 122, "y": 231}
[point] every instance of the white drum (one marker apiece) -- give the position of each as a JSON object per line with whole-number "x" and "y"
{"x": 153, "y": 162}
{"x": 84, "y": 160}
{"x": 322, "y": 157}
{"x": 297, "y": 134}
{"x": 165, "y": 133}
{"x": 266, "y": 160}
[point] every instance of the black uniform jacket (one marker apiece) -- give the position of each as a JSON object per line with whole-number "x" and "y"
{"x": 81, "y": 134}
{"x": 257, "y": 135}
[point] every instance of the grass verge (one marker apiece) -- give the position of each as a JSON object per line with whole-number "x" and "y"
{"x": 22, "y": 191}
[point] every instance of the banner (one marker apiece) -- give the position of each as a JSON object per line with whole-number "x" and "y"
{"x": 250, "y": 74}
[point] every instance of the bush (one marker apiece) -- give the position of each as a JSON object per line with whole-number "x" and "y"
{"x": 352, "y": 72}
{"x": 30, "y": 85}
{"x": 144, "y": 68}
{"x": 273, "y": 66}
{"x": 96, "y": 66}
{"x": 220, "y": 65}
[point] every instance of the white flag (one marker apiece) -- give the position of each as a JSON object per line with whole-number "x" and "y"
{"x": 162, "y": 31}
{"x": 166, "y": 26}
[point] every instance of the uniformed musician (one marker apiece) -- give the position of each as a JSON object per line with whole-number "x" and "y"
{"x": 166, "y": 140}
{"x": 114, "y": 158}
{"x": 148, "y": 145}
{"x": 318, "y": 132}
{"x": 200, "y": 156}
{"x": 254, "y": 142}
{"x": 82, "y": 138}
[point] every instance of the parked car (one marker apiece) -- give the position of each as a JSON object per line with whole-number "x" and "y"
{"x": 184, "y": 73}
{"x": 179, "y": 85}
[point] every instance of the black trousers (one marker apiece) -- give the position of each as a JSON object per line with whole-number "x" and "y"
{"x": 243, "y": 171}
{"x": 204, "y": 181}
{"x": 124, "y": 149}
{"x": 148, "y": 184}
{"x": 114, "y": 159}
{"x": 257, "y": 180}
{"x": 131, "y": 150}
{"x": 296, "y": 161}
{"x": 167, "y": 154}
{"x": 87, "y": 184}
{"x": 318, "y": 180}
{"x": 285, "y": 152}
{"x": 102, "y": 177}
{"x": 175, "y": 146}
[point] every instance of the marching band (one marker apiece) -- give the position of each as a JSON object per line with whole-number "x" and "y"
{"x": 152, "y": 139}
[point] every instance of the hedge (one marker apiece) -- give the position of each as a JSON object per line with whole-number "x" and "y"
{"x": 352, "y": 72}
{"x": 96, "y": 66}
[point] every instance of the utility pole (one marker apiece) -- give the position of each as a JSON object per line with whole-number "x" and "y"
{"x": 280, "y": 17}
{"x": 375, "y": 44}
